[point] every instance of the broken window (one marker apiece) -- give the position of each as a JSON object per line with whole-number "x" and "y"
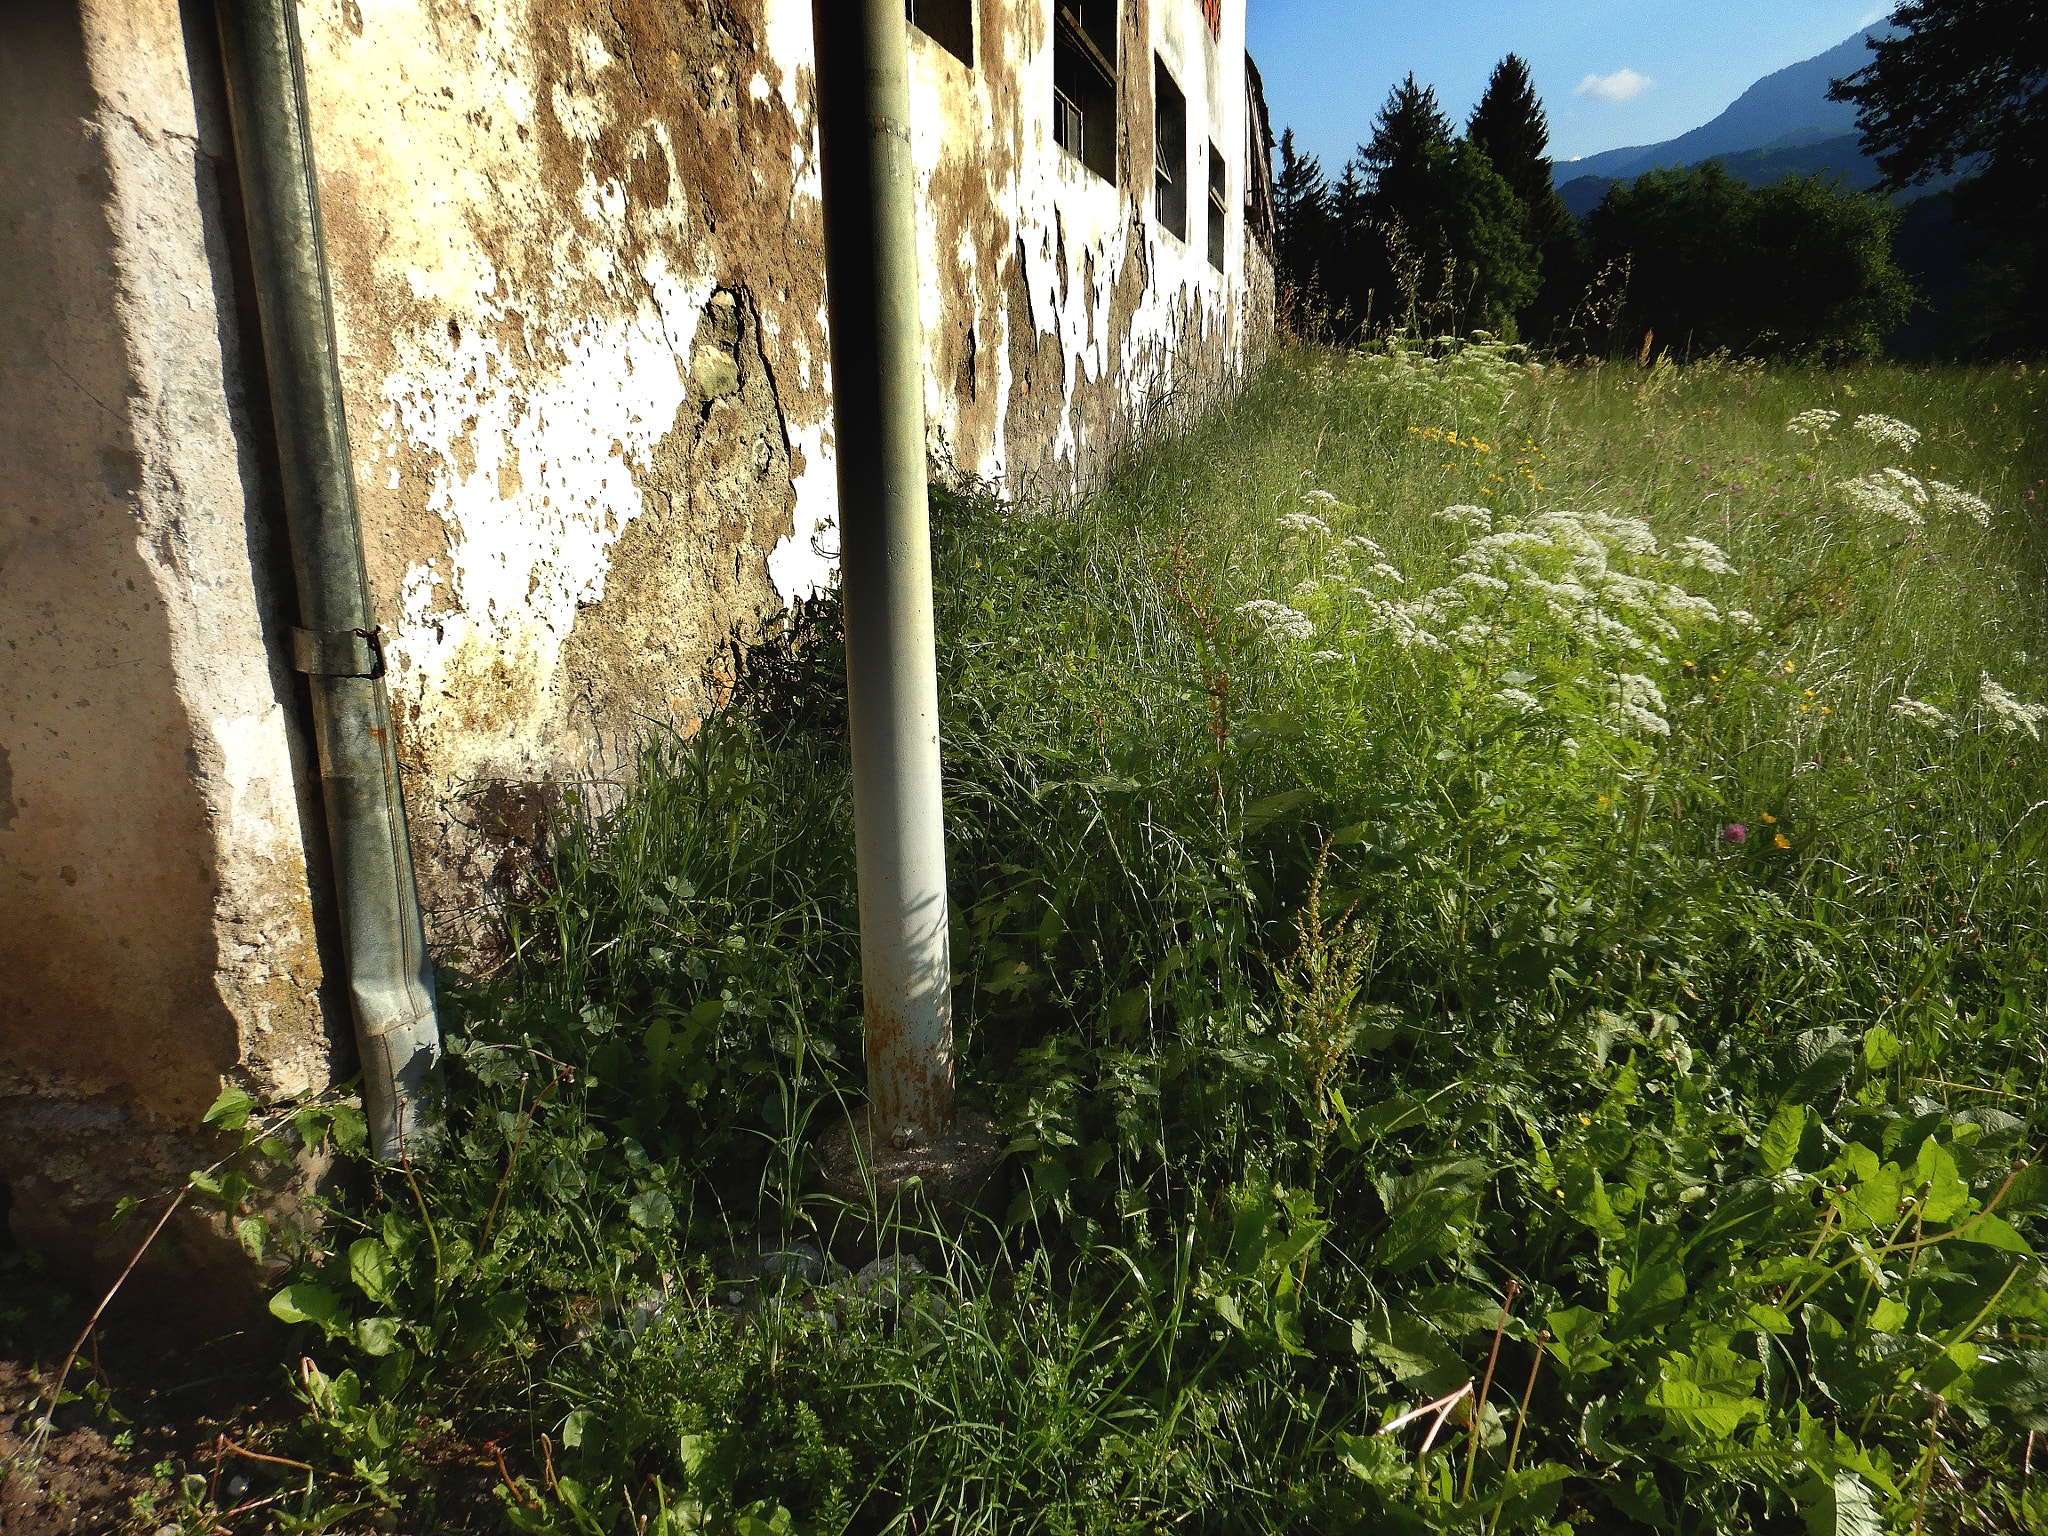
{"x": 949, "y": 23}
{"x": 1218, "y": 207}
{"x": 1169, "y": 151}
{"x": 1084, "y": 83}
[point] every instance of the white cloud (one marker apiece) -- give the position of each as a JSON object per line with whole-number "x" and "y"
{"x": 1622, "y": 85}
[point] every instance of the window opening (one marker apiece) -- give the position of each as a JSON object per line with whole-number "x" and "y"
{"x": 1169, "y": 151}
{"x": 949, "y": 23}
{"x": 1084, "y": 83}
{"x": 1218, "y": 206}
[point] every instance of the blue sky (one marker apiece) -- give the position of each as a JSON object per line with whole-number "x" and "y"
{"x": 1610, "y": 72}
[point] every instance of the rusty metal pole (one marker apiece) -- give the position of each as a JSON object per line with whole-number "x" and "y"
{"x": 870, "y": 196}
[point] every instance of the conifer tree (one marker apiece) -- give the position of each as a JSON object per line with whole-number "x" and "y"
{"x": 1397, "y": 159}
{"x": 1302, "y": 211}
{"x": 1511, "y": 126}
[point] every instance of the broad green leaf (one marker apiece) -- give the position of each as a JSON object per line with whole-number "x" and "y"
{"x": 1647, "y": 1295}
{"x": 1414, "y": 1353}
{"x": 370, "y": 1267}
{"x": 1880, "y": 1048}
{"x": 1389, "y": 1115}
{"x": 1373, "y": 1459}
{"x": 2029, "y": 1188}
{"x": 1708, "y": 1393}
{"x": 1585, "y": 1198}
{"x": 2021, "y": 1380}
{"x": 1456, "y": 1310}
{"x": 1889, "y": 1315}
{"x": 1947, "y": 1196}
{"x": 1576, "y": 1340}
{"x": 377, "y": 1335}
{"x": 308, "y": 1302}
{"x": 1780, "y": 1141}
{"x": 1994, "y": 1232}
{"x": 651, "y": 1209}
{"x": 231, "y": 1110}
{"x": 1769, "y": 1318}
{"x": 1840, "y": 1507}
{"x": 562, "y": 1178}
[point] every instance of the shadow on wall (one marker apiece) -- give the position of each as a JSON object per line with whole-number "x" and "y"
{"x": 114, "y": 1032}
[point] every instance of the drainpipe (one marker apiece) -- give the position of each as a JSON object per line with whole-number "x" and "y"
{"x": 870, "y": 198}
{"x": 390, "y": 978}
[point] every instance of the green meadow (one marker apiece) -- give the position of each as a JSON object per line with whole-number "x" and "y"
{"x": 1498, "y": 908}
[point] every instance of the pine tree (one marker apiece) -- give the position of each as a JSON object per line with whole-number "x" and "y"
{"x": 1358, "y": 259}
{"x": 1301, "y": 208}
{"x": 1409, "y": 127}
{"x": 1510, "y": 125}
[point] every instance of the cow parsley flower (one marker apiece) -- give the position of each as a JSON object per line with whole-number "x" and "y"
{"x": 1303, "y": 522}
{"x": 1889, "y": 493}
{"x": 1636, "y": 702}
{"x": 1957, "y": 502}
{"x": 1387, "y": 572}
{"x": 1323, "y": 498}
{"x": 1325, "y": 655}
{"x": 1814, "y": 424}
{"x": 1476, "y": 519}
{"x": 1888, "y": 432}
{"x": 1701, "y": 555}
{"x": 1278, "y": 619}
{"x": 1920, "y": 712}
{"x": 1525, "y": 702}
{"x": 2007, "y": 712}
{"x": 1363, "y": 545}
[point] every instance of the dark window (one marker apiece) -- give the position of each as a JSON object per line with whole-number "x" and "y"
{"x": 949, "y": 23}
{"x": 1169, "y": 151}
{"x": 1218, "y": 208}
{"x": 1084, "y": 83}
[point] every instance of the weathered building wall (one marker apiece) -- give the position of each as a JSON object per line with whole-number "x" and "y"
{"x": 157, "y": 926}
{"x": 577, "y": 277}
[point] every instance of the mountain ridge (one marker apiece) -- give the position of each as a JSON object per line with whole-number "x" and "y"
{"x": 1786, "y": 109}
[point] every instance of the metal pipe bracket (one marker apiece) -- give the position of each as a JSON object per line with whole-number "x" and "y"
{"x": 338, "y": 652}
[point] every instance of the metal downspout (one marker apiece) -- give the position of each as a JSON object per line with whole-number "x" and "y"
{"x": 390, "y": 978}
{"x": 870, "y": 198}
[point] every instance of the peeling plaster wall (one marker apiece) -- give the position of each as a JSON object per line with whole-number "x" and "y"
{"x": 576, "y": 262}
{"x": 157, "y": 924}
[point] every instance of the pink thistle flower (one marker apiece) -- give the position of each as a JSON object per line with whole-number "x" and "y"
{"x": 1735, "y": 832}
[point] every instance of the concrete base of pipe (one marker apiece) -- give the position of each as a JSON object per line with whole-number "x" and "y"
{"x": 944, "y": 1184}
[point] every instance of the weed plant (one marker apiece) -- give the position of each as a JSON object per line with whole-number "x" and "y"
{"x": 1499, "y": 909}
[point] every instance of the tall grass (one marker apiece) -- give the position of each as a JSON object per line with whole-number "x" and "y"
{"x": 1586, "y": 992}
